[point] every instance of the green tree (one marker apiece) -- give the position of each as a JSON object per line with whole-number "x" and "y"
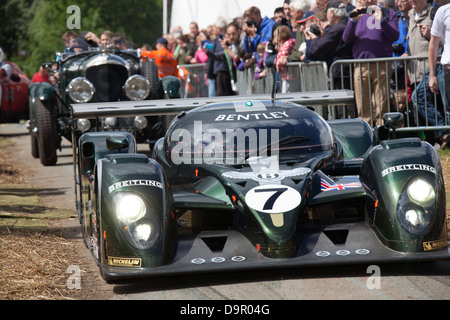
{"x": 44, "y": 23}
{"x": 139, "y": 21}
{"x": 14, "y": 15}
{"x": 48, "y": 24}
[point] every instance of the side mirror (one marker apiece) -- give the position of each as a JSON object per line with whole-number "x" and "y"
{"x": 393, "y": 121}
{"x": 116, "y": 142}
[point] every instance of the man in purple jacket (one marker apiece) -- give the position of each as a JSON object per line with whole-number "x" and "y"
{"x": 372, "y": 35}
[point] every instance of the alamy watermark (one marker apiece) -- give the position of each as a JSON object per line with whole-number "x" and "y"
{"x": 374, "y": 281}
{"x": 74, "y": 280}
{"x": 74, "y": 20}
{"x": 212, "y": 146}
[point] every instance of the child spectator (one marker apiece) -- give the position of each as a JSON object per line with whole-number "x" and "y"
{"x": 285, "y": 43}
{"x": 260, "y": 69}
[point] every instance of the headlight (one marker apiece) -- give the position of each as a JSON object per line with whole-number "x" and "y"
{"x": 130, "y": 208}
{"x": 421, "y": 191}
{"x": 413, "y": 217}
{"x": 81, "y": 90}
{"x": 142, "y": 232}
{"x": 111, "y": 122}
{"x": 83, "y": 125}
{"x": 137, "y": 87}
{"x": 416, "y": 206}
{"x": 137, "y": 220}
{"x": 140, "y": 122}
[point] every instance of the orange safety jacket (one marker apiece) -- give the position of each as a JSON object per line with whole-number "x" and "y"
{"x": 164, "y": 60}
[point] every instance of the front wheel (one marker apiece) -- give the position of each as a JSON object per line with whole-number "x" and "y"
{"x": 34, "y": 146}
{"x": 47, "y": 134}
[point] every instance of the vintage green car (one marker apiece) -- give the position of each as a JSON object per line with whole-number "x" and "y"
{"x": 91, "y": 76}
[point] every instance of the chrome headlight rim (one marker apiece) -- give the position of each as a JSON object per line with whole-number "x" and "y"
{"x": 140, "y": 122}
{"x": 130, "y": 88}
{"x": 110, "y": 123}
{"x": 83, "y": 125}
{"x": 76, "y": 96}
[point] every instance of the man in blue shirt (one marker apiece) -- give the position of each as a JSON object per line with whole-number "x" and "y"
{"x": 401, "y": 45}
{"x": 256, "y": 29}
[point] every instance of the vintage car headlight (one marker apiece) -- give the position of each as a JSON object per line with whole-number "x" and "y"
{"x": 137, "y": 220}
{"x": 140, "y": 122}
{"x": 416, "y": 206}
{"x": 81, "y": 90}
{"x": 111, "y": 122}
{"x": 83, "y": 125}
{"x": 137, "y": 87}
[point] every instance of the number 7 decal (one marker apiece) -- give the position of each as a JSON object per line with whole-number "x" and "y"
{"x": 273, "y": 198}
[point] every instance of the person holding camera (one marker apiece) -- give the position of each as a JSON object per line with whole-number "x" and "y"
{"x": 220, "y": 63}
{"x": 372, "y": 30}
{"x": 298, "y": 10}
{"x": 400, "y": 46}
{"x": 256, "y": 29}
{"x": 330, "y": 47}
{"x": 419, "y": 37}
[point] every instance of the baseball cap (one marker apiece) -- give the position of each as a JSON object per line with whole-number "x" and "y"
{"x": 162, "y": 40}
{"x": 307, "y": 16}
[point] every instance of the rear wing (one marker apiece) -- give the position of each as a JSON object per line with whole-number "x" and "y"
{"x": 174, "y": 106}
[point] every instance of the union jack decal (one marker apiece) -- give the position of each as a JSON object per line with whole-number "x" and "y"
{"x": 326, "y": 185}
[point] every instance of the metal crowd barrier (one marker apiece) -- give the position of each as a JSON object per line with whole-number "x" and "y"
{"x": 405, "y": 77}
{"x": 314, "y": 76}
{"x": 302, "y": 77}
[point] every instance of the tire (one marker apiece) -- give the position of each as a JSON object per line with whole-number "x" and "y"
{"x": 47, "y": 134}
{"x": 34, "y": 146}
{"x": 150, "y": 70}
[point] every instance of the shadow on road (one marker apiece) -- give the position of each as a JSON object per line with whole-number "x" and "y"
{"x": 203, "y": 280}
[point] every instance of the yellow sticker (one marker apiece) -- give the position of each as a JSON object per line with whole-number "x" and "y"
{"x": 125, "y": 262}
{"x": 434, "y": 245}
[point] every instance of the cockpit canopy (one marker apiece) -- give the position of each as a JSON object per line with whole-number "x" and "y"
{"x": 231, "y": 133}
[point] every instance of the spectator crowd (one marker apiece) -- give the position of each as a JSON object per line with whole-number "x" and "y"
{"x": 315, "y": 30}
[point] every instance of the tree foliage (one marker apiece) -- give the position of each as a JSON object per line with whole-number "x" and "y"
{"x": 36, "y": 26}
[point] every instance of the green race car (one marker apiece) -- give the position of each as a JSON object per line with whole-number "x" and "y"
{"x": 258, "y": 184}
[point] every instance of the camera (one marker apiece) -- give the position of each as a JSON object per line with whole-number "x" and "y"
{"x": 251, "y": 23}
{"x": 314, "y": 29}
{"x": 398, "y": 49}
{"x": 358, "y": 12}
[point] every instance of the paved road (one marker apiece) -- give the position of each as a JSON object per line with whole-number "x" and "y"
{"x": 418, "y": 281}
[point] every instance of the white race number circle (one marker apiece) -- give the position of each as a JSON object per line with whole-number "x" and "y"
{"x": 273, "y": 198}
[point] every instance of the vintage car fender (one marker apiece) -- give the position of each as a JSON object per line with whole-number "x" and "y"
{"x": 14, "y": 95}
{"x": 41, "y": 90}
{"x": 137, "y": 225}
{"x": 407, "y": 206}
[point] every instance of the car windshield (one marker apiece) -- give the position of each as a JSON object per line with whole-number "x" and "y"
{"x": 234, "y": 142}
